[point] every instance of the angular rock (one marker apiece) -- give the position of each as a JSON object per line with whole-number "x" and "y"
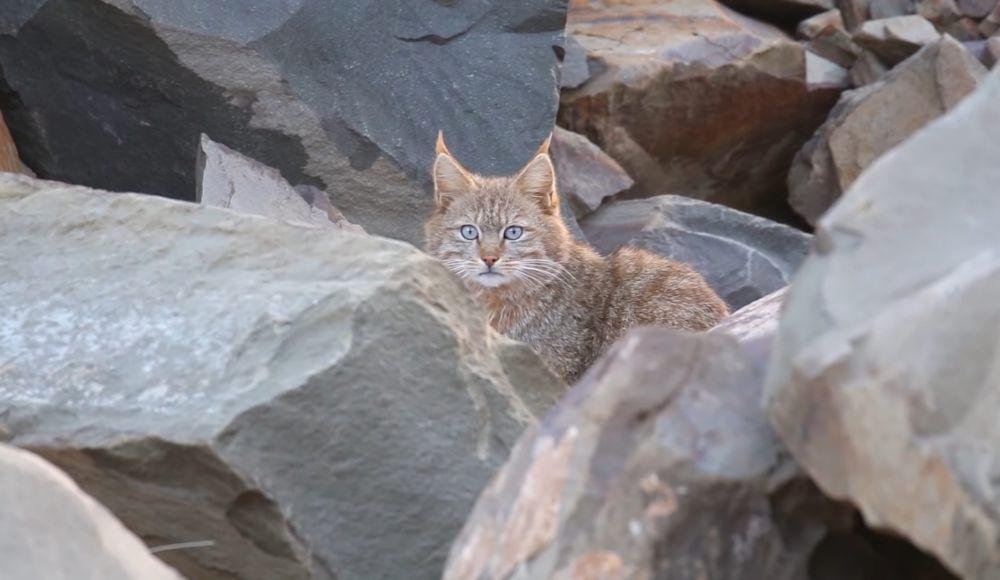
{"x": 781, "y": 11}
{"x": 10, "y": 162}
{"x": 227, "y": 179}
{"x": 822, "y": 73}
{"x": 868, "y": 122}
{"x": 345, "y": 96}
{"x": 50, "y": 529}
{"x": 316, "y": 405}
{"x": 991, "y": 24}
{"x": 975, "y": 8}
{"x": 884, "y": 381}
{"x": 660, "y": 463}
{"x": 894, "y": 39}
{"x": 992, "y": 52}
{"x": 587, "y": 175}
{"x": 694, "y": 98}
{"x": 867, "y": 69}
{"x": 854, "y": 12}
{"x": 949, "y": 17}
{"x": 827, "y": 37}
{"x": 879, "y": 9}
{"x": 743, "y": 257}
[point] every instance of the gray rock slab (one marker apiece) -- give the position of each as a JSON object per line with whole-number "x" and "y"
{"x": 894, "y": 39}
{"x": 586, "y": 174}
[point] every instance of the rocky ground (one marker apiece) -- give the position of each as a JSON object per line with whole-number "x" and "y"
{"x": 253, "y": 373}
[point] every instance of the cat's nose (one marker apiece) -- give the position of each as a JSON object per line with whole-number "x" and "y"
{"x": 489, "y": 261}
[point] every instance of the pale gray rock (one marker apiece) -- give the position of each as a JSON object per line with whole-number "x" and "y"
{"x": 884, "y": 380}
{"x": 869, "y": 121}
{"x": 894, "y": 39}
{"x": 825, "y": 74}
{"x": 586, "y": 174}
{"x": 345, "y": 96}
{"x": 314, "y": 404}
{"x": 228, "y": 179}
{"x": 50, "y": 529}
{"x": 743, "y": 257}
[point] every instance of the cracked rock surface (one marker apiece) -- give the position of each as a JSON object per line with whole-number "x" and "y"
{"x": 302, "y": 398}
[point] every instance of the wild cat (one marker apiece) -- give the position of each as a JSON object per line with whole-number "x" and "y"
{"x": 505, "y": 239}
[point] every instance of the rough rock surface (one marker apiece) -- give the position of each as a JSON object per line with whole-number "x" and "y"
{"x": 228, "y": 179}
{"x": 694, "y": 99}
{"x": 346, "y": 96}
{"x": 869, "y": 121}
{"x": 894, "y": 39}
{"x": 586, "y": 174}
{"x": 302, "y": 398}
{"x": 890, "y": 337}
{"x": 50, "y": 529}
{"x": 659, "y": 464}
{"x": 743, "y": 257}
{"x": 825, "y": 36}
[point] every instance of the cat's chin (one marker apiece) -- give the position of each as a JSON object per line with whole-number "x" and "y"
{"x": 491, "y": 279}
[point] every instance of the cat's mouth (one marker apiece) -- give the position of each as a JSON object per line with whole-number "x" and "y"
{"x": 491, "y": 278}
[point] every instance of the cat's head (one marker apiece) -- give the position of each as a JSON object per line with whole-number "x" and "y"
{"x": 497, "y": 232}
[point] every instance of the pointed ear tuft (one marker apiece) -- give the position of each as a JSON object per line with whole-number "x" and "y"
{"x": 543, "y": 149}
{"x": 440, "y": 147}
{"x": 450, "y": 178}
{"x": 538, "y": 179}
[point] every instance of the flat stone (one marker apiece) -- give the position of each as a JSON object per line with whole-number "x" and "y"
{"x": 894, "y": 39}
{"x": 870, "y": 121}
{"x": 826, "y": 37}
{"x": 884, "y": 382}
{"x": 317, "y": 405}
{"x": 586, "y": 174}
{"x": 743, "y": 257}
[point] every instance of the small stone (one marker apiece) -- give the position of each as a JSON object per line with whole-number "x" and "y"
{"x": 895, "y": 39}
{"x": 867, "y": 69}
{"x": 586, "y": 174}
{"x": 826, "y": 37}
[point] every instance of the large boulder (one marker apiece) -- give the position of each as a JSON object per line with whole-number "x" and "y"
{"x": 316, "y": 403}
{"x": 659, "y": 464}
{"x": 694, "y": 99}
{"x": 869, "y": 121}
{"x": 345, "y": 96}
{"x": 743, "y": 257}
{"x": 884, "y": 381}
{"x": 50, "y": 529}
{"x": 587, "y": 175}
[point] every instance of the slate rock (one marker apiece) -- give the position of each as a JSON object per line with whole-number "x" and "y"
{"x": 586, "y": 174}
{"x": 870, "y": 121}
{"x": 51, "y": 529}
{"x": 316, "y": 405}
{"x": 230, "y": 180}
{"x": 345, "y": 96}
{"x": 884, "y": 382}
{"x": 660, "y": 463}
{"x": 894, "y": 39}
{"x": 743, "y": 257}
{"x": 695, "y": 99}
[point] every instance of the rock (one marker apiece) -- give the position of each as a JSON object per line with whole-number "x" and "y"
{"x": 51, "y": 529}
{"x": 975, "y": 8}
{"x": 868, "y": 122}
{"x": 824, "y": 74}
{"x": 10, "y": 162}
{"x": 743, "y": 257}
{"x": 233, "y": 181}
{"x": 879, "y": 9}
{"x": 659, "y": 463}
{"x": 991, "y": 24}
{"x": 992, "y": 52}
{"x": 304, "y": 400}
{"x": 586, "y": 174}
{"x": 854, "y": 12}
{"x": 884, "y": 379}
{"x": 694, "y": 98}
{"x": 781, "y": 11}
{"x": 345, "y": 96}
{"x": 894, "y": 39}
{"x": 949, "y": 17}
{"x": 867, "y": 69}
{"x": 827, "y": 37}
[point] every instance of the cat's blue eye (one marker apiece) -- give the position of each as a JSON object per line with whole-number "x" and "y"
{"x": 469, "y": 232}
{"x": 513, "y": 232}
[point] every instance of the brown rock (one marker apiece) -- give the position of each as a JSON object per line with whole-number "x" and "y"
{"x": 587, "y": 175}
{"x": 992, "y": 52}
{"x": 894, "y": 39}
{"x": 868, "y": 122}
{"x": 867, "y": 69}
{"x": 854, "y": 12}
{"x": 991, "y": 24}
{"x": 693, "y": 98}
{"x": 826, "y": 37}
{"x": 884, "y": 382}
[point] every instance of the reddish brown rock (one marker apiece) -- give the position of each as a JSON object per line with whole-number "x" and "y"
{"x": 855, "y": 12}
{"x": 587, "y": 175}
{"x": 693, "y": 99}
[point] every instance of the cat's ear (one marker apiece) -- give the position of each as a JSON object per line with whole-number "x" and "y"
{"x": 450, "y": 178}
{"x": 538, "y": 179}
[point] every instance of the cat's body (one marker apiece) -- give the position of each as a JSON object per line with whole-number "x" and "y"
{"x": 541, "y": 286}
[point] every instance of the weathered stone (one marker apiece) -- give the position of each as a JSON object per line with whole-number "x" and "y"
{"x": 869, "y": 121}
{"x": 949, "y": 17}
{"x": 991, "y": 24}
{"x": 867, "y": 69}
{"x": 228, "y": 179}
{"x": 781, "y": 11}
{"x": 693, "y": 98}
{"x": 586, "y": 174}
{"x": 854, "y": 12}
{"x": 743, "y": 257}
{"x": 826, "y": 37}
{"x": 9, "y": 160}
{"x": 50, "y": 529}
{"x": 975, "y": 8}
{"x": 315, "y": 404}
{"x": 879, "y": 9}
{"x": 824, "y": 74}
{"x": 992, "y": 52}
{"x": 884, "y": 380}
{"x": 345, "y": 96}
{"x": 894, "y": 39}
{"x": 660, "y": 463}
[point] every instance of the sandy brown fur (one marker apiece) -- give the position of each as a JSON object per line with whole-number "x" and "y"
{"x": 562, "y": 298}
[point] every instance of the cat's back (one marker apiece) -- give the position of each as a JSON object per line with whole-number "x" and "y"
{"x": 652, "y": 290}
